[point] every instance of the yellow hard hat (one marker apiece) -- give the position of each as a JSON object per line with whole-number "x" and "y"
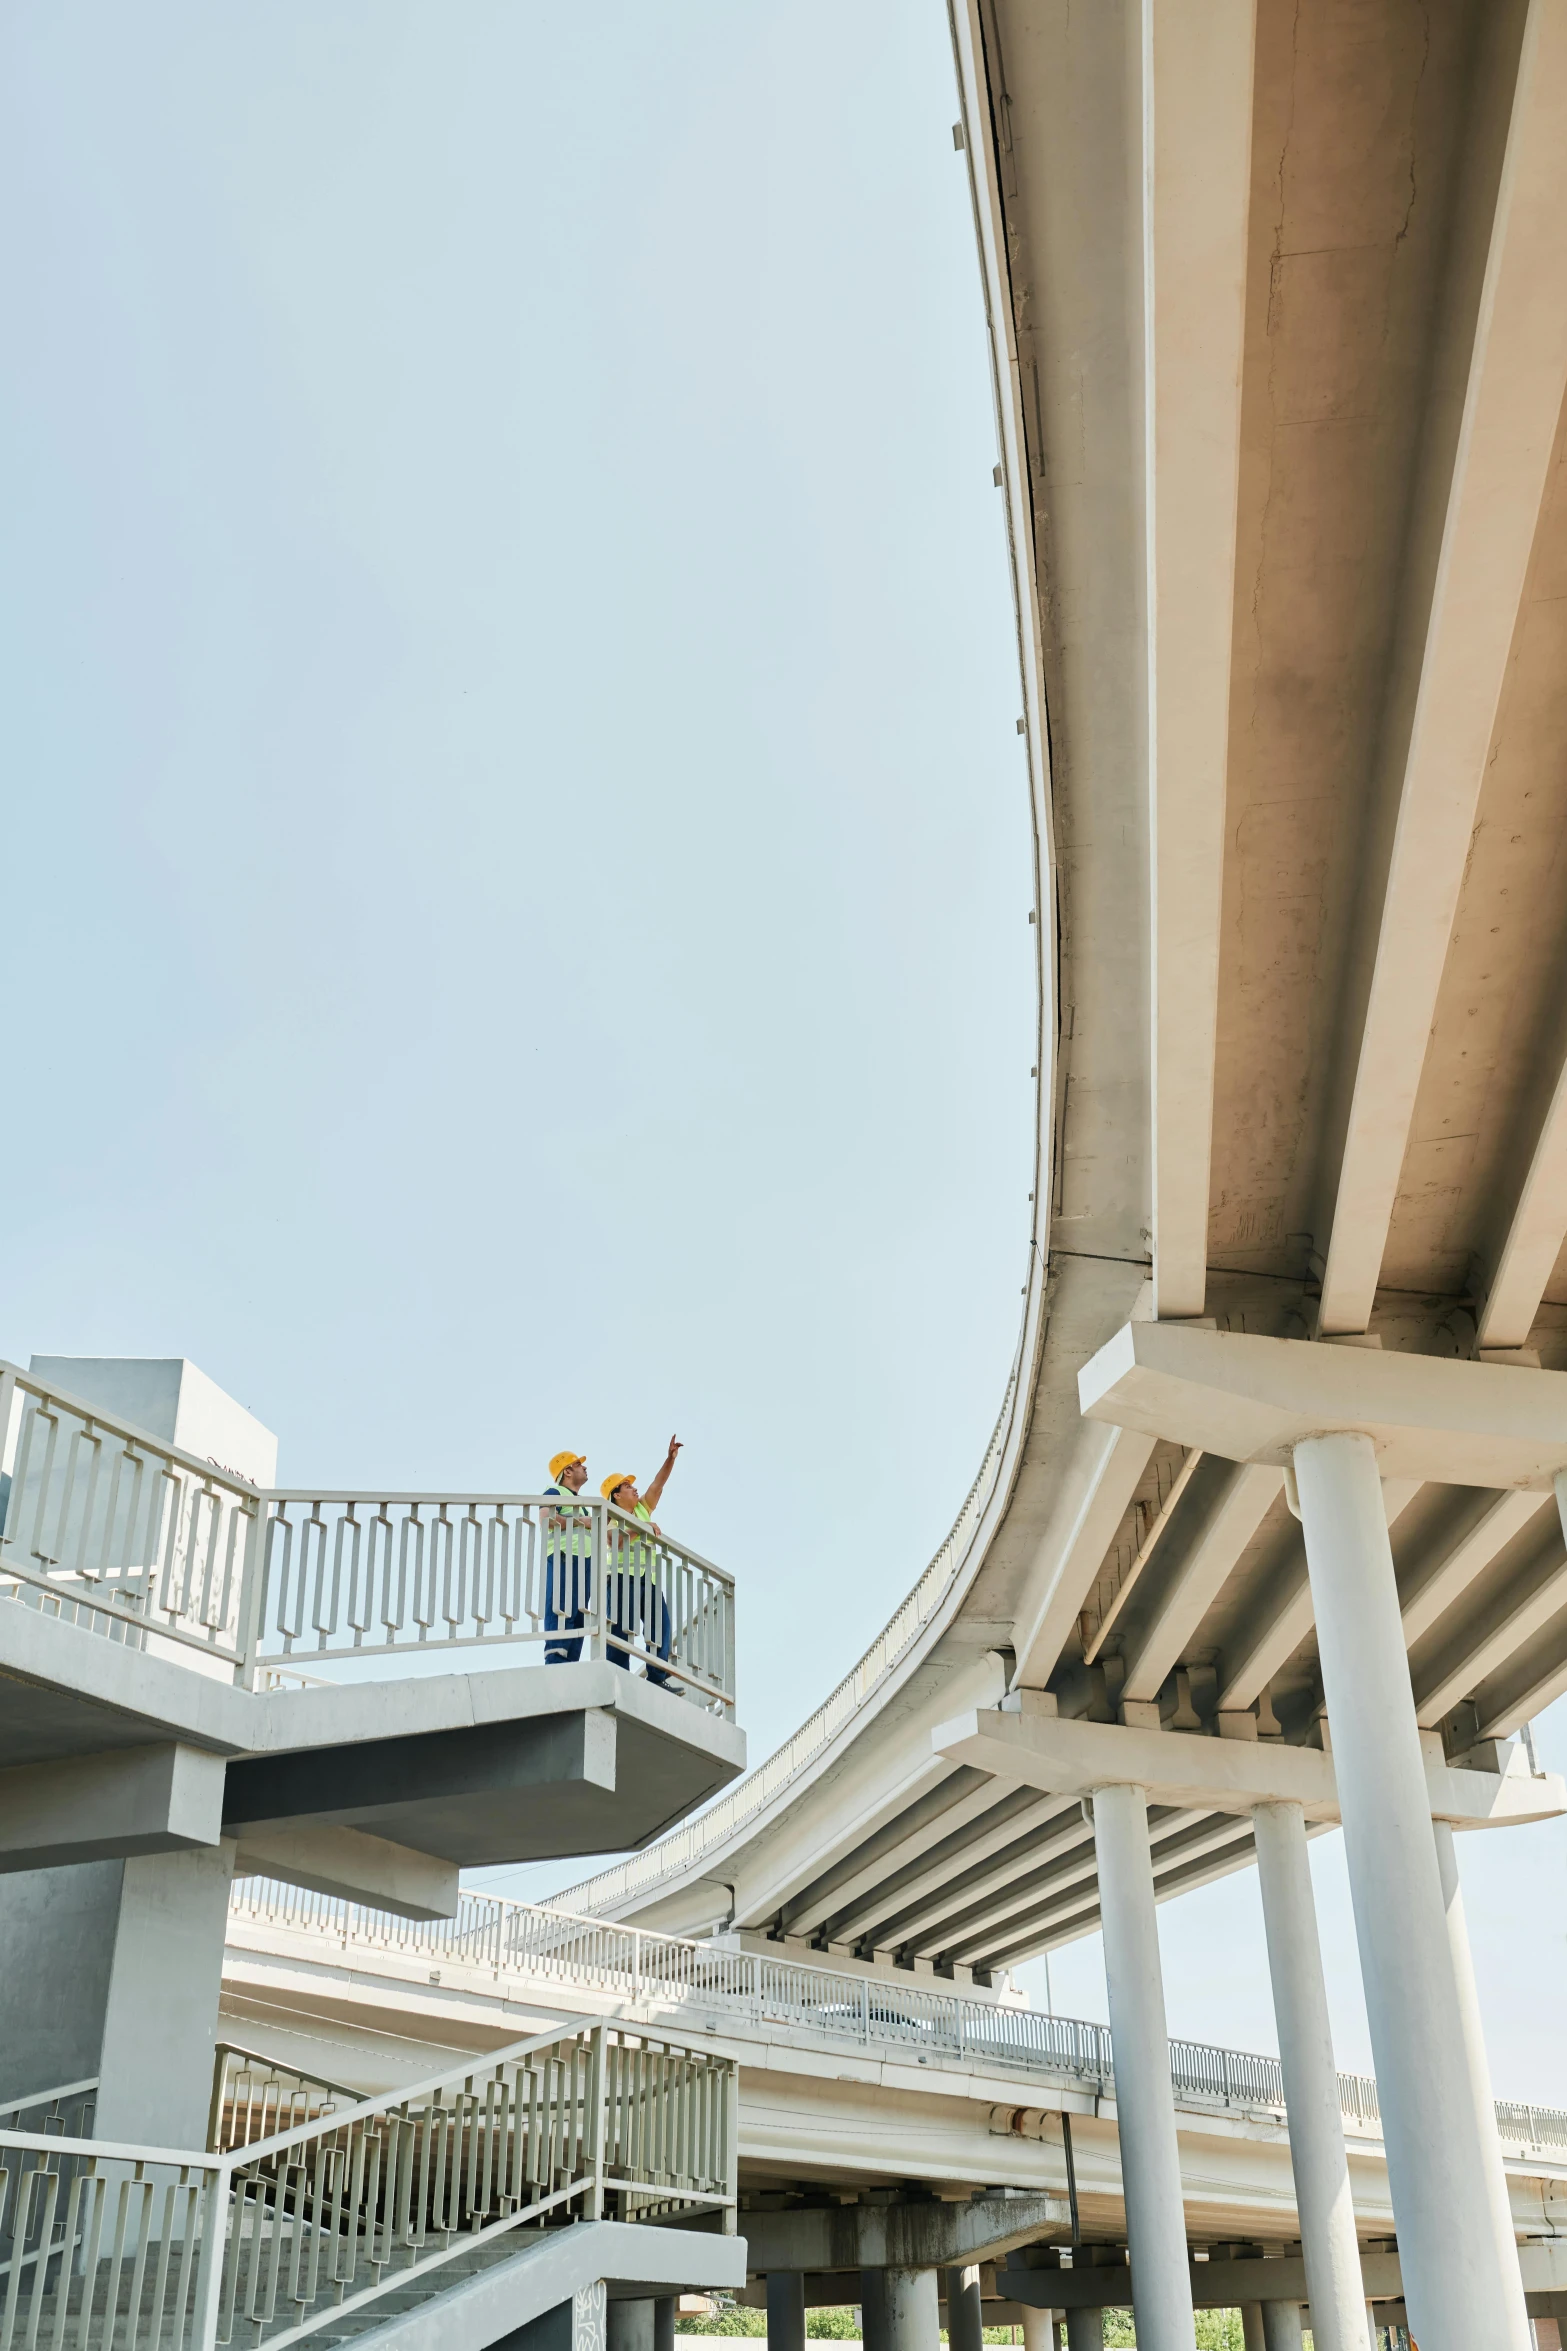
{"x": 622, "y": 1477}
{"x": 560, "y": 1462}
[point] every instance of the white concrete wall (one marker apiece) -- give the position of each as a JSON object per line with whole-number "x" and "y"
{"x": 172, "y": 1398}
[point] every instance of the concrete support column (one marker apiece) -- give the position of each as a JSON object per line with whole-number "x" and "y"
{"x": 1316, "y": 2122}
{"x": 965, "y": 2322}
{"x": 1251, "y": 2326}
{"x": 664, "y": 2323}
{"x": 1039, "y": 2330}
{"x": 873, "y": 2310}
{"x": 1144, "y": 2099}
{"x": 628, "y": 2325}
{"x": 1281, "y": 2326}
{"x": 1474, "y": 2039}
{"x": 1462, "y": 2295}
{"x": 114, "y": 1968}
{"x": 913, "y": 2310}
{"x": 1085, "y": 2330}
{"x": 786, "y": 2310}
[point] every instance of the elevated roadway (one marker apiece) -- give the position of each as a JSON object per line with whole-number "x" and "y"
{"x": 1278, "y": 311}
{"x": 854, "y": 2088}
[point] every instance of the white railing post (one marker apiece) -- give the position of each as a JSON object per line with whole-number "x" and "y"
{"x": 731, "y": 2151}
{"x": 636, "y": 1965}
{"x": 597, "y": 1529}
{"x": 597, "y": 2093}
{"x": 252, "y": 1596}
{"x": 214, "y": 2248}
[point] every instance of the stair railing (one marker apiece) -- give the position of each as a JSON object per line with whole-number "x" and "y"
{"x": 126, "y": 2248}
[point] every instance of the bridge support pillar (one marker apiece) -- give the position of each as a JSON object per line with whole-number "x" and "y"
{"x": 1145, "y": 2100}
{"x": 630, "y": 2325}
{"x": 786, "y": 2310}
{"x": 1474, "y": 2036}
{"x": 1251, "y": 2326}
{"x": 1464, "y": 2291}
{"x": 965, "y": 2321}
{"x": 1085, "y": 2330}
{"x": 901, "y": 2309}
{"x": 1039, "y": 2329}
{"x": 1316, "y": 2126}
{"x": 114, "y": 1968}
{"x": 1282, "y": 2329}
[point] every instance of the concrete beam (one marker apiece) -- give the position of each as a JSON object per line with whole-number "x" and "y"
{"x": 919, "y": 1918}
{"x": 1254, "y": 1399}
{"x": 1072, "y": 1552}
{"x": 1199, "y": 1774}
{"x": 1223, "y": 2285}
{"x": 1197, "y": 78}
{"x": 920, "y": 1840}
{"x": 354, "y": 1866}
{"x": 1485, "y": 1649}
{"x": 1517, "y": 376}
{"x": 1262, "y": 1648}
{"x": 1446, "y": 1572}
{"x": 923, "y": 2234}
{"x": 1533, "y": 1226}
{"x": 463, "y": 1794}
{"x": 1228, "y": 1503}
{"x": 165, "y": 1799}
{"x": 1216, "y": 2285}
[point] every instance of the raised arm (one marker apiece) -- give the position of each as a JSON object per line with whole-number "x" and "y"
{"x": 651, "y": 1497}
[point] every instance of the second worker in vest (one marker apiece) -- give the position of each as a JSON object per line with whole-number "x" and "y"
{"x": 637, "y": 1605}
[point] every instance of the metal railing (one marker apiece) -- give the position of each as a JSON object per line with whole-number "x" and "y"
{"x": 115, "y": 1530}
{"x": 371, "y": 1574}
{"x": 751, "y": 1990}
{"x": 122, "y": 2248}
{"x": 628, "y": 1879}
{"x": 255, "y": 2097}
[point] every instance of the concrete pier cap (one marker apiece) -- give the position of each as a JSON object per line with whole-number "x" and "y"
{"x": 1253, "y": 1399}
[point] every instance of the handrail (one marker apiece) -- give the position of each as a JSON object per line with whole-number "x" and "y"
{"x": 134, "y": 1537}
{"x": 625, "y": 1880}
{"x": 267, "y": 2241}
{"x": 652, "y": 1971}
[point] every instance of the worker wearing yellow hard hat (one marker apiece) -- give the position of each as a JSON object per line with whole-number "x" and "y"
{"x": 640, "y": 1605}
{"x": 568, "y": 1559}
{"x": 634, "y": 1603}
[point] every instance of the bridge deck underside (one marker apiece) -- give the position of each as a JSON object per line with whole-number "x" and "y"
{"x": 1280, "y": 405}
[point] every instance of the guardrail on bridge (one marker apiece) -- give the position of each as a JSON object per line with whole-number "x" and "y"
{"x": 653, "y": 1971}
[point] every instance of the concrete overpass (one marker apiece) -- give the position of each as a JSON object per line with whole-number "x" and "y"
{"x": 867, "y": 2103}
{"x": 1278, "y": 312}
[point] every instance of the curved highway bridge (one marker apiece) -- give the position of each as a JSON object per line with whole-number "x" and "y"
{"x": 1267, "y": 1535}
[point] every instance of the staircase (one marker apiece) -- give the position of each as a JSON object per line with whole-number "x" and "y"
{"x": 498, "y": 2192}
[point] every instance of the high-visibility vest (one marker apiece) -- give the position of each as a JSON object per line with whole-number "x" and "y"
{"x": 575, "y": 1539}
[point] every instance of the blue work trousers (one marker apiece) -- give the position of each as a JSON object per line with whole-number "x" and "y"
{"x": 634, "y": 1608}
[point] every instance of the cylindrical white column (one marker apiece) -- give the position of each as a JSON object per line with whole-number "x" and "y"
{"x": 965, "y": 2321}
{"x": 913, "y": 2310}
{"x": 1039, "y": 2330}
{"x": 1316, "y": 2121}
{"x": 1474, "y": 2039}
{"x": 1085, "y": 2330}
{"x": 1281, "y": 2326}
{"x": 1144, "y": 2099}
{"x": 1251, "y": 2326}
{"x": 1462, "y": 2295}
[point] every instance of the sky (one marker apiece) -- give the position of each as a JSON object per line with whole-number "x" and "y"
{"x": 517, "y": 846}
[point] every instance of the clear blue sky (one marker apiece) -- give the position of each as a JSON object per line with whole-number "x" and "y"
{"x": 517, "y": 853}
